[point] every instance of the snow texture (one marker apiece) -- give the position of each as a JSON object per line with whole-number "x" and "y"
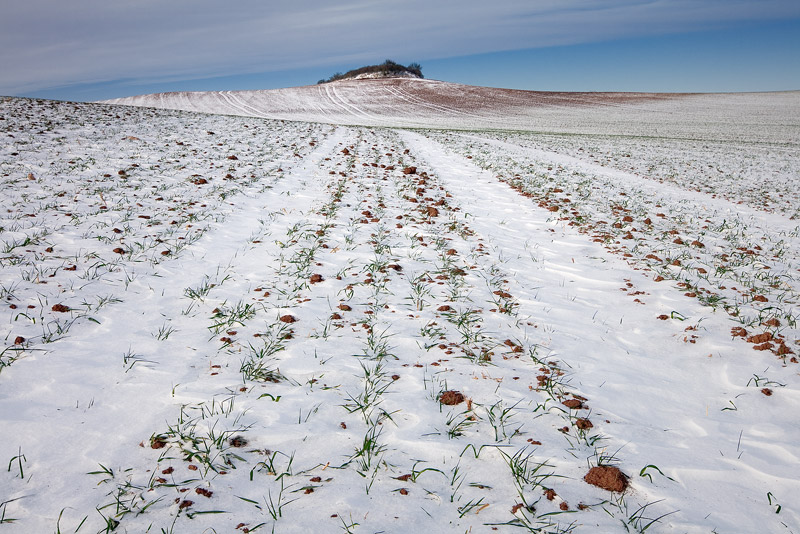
{"x": 288, "y": 314}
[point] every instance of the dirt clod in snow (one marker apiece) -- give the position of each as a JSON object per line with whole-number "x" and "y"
{"x": 61, "y": 308}
{"x": 288, "y": 319}
{"x": 760, "y": 338}
{"x": 608, "y": 478}
{"x": 584, "y": 424}
{"x": 238, "y": 441}
{"x": 573, "y": 404}
{"x": 451, "y": 397}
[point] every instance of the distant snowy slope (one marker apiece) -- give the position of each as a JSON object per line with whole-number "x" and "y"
{"x": 404, "y": 102}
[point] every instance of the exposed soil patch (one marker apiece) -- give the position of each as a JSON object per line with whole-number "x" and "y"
{"x": 760, "y": 338}
{"x": 451, "y": 397}
{"x": 238, "y": 441}
{"x": 608, "y": 478}
{"x": 572, "y": 404}
{"x": 584, "y": 424}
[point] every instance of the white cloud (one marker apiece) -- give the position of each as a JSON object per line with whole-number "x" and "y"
{"x": 46, "y": 43}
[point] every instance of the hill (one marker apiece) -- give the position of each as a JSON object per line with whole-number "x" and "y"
{"x": 422, "y": 103}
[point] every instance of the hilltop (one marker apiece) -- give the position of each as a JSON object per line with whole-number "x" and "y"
{"x": 387, "y": 69}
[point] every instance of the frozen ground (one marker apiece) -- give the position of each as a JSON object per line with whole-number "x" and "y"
{"x": 232, "y": 324}
{"x": 755, "y": 118}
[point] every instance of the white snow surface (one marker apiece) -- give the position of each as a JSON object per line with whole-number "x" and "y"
{"x": 232, "y": 322}
{"x": 408, "y": 102}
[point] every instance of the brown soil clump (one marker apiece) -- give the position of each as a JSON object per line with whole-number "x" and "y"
{"x": 451, "y": 397}
{"x": 608, "y": 478}
{"x": 584, "y": 424}
{"x": 288, "y": 319}
{"x": 760, "y": 338}
{"x": 238, "y": 441}
{"x": 738, "y": 331}
{"x": 61, "y": 308}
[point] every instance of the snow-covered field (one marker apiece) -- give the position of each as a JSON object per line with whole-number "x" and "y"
{"x": 217, "y": 323}
{"x": 772, "y": 118}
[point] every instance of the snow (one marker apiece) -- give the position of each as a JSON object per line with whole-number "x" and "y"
{"x": 753, "y": 118}
{"x": 267, "y": 348}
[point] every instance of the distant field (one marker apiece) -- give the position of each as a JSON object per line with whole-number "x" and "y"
{"x": 752, "y": 118}
{"x": 373, "y": 306}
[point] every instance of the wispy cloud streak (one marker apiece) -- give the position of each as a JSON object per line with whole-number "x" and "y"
{"x": 48, "y": 43}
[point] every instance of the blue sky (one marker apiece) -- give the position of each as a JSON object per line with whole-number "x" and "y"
{"x": 95, "y": 49}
